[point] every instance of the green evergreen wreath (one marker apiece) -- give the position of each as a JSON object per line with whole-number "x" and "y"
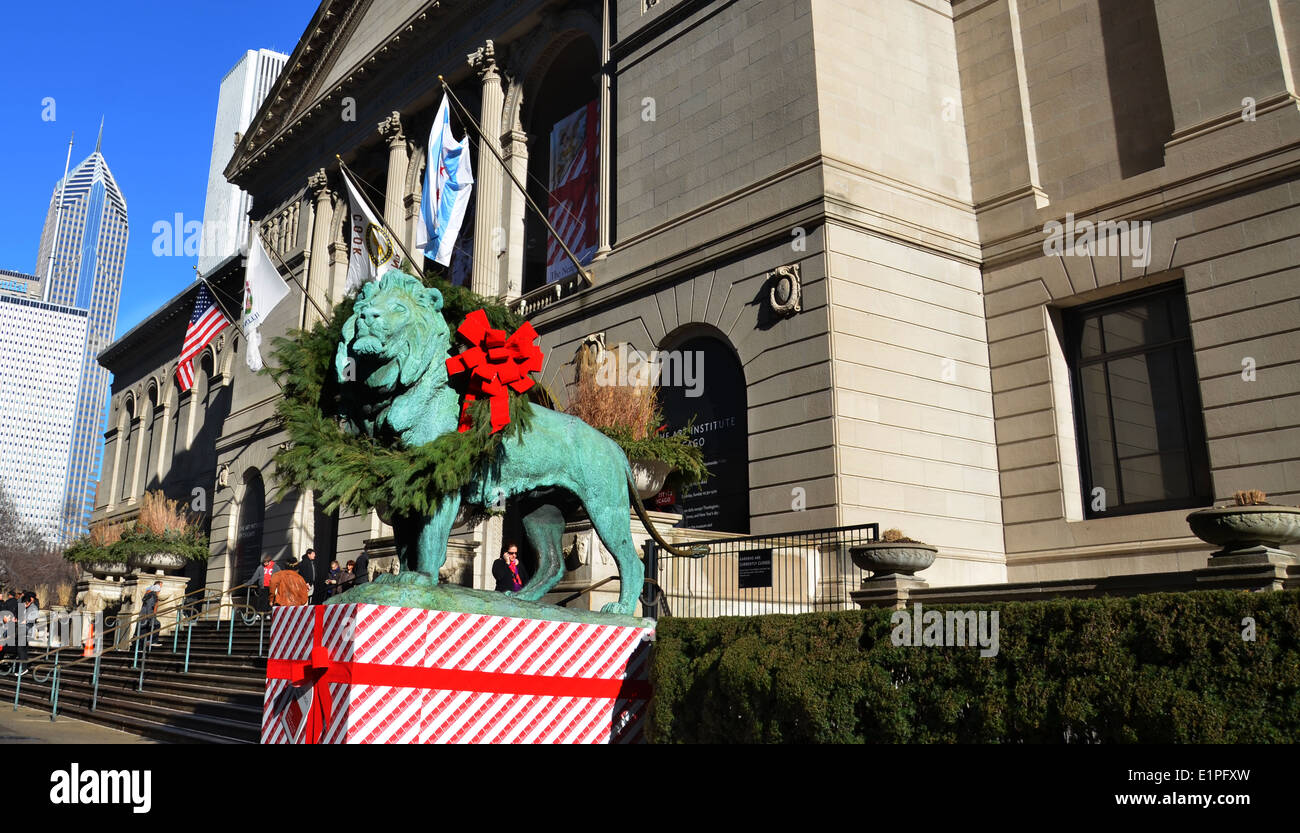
{"x": 346, "y": 468}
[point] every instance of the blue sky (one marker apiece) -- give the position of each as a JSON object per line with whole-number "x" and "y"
{"x": 152, "y": 70}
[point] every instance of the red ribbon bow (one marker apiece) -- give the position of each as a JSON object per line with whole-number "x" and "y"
{"x": 496, "y": 364}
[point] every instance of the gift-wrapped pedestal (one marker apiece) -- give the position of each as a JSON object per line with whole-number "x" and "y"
{"x": 365, "y": 673}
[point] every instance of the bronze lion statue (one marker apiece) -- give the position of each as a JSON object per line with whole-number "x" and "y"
{"x": 393, "y": 352}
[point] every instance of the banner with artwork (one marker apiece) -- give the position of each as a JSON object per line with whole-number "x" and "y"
{"x": 573, "y": 185}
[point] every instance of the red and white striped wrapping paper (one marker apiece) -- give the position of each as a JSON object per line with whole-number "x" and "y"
{"x": 401, "y": 675}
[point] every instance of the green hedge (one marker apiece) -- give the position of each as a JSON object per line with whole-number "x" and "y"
{"x": 1169, "y": 667}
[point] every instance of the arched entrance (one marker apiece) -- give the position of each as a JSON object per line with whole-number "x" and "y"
{"x": 252, "y": 514}
{"x": 713, "y": 393}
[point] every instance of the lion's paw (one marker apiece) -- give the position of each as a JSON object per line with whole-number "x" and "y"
{"x": 615, "y": 607}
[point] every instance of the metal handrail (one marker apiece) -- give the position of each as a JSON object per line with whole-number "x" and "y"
{"x": 177, "y": 605}
{"x": 565, "y": 601}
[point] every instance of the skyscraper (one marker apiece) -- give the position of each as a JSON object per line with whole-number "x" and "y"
{"x": 80, "y": 262}
{"x": 225, "y": 211}
{"x": 41, "y": 347}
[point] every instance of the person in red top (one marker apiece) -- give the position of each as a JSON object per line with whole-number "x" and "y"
{"x": 509, "y": 573}
{"x": 261, "y": 581}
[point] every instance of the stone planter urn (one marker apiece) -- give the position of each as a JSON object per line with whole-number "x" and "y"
{"x": 648, "y": 476}
{"x": 886, "y": 559}
{"x": 1247, "y": 530}
{"x": 106, "y": 569}
{"x": 157, "y": 562}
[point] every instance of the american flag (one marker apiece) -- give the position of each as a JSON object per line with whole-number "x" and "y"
{"x": 205, "y": 323}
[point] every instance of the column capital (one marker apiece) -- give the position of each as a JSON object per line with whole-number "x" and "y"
{"x": 484, "y": 61}
{"x": 391, "y": 129}
{"x": 319, "y": 184}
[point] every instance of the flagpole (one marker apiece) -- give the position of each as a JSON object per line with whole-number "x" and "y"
{"x": 344, "y": 169}
{"x": 212, "y": 290}
{"x": 484, "y": 143}
{"x": 292, "y": 276}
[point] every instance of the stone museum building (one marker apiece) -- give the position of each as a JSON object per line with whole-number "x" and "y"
{"x": 1018, "y": 277}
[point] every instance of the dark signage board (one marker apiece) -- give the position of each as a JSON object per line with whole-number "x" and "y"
{"x": 719, "y": 407}
{"x": 756, "y": 568}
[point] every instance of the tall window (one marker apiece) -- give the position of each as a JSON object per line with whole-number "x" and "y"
{"x": 562, "y": 165}
{"x": 1137, "y": 405}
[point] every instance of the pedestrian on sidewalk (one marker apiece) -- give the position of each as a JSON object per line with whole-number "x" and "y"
{"x": 510, "y": 575}
{"x": 27, "y": 626}
{"x": 148, "y": 616}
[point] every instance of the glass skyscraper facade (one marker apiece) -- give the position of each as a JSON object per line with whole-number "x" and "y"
{"x": 80, "y": 263}
{"x": 41, "y": 347}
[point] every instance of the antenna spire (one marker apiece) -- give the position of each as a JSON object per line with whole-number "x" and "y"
{"x": 101, "y": 134}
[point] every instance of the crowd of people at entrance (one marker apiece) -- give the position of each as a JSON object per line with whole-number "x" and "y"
{"x": 306, "y": 581}
{"x": 303, "y": 581}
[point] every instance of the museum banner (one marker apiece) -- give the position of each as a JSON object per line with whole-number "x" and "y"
{"x": 365, "y": 673}
{"x": 572, "y": 205}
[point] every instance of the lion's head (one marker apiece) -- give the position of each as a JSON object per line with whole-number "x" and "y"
{"x": 395, "y": 334}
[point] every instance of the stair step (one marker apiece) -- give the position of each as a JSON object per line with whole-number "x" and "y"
{"x": 125, "y": 715}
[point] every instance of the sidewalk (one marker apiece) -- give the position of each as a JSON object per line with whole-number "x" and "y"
{"x": 32, "y": 726}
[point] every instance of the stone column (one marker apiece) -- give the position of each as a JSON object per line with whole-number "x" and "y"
{"x": 413, "y": 219}
{"x": 516, "y": 156}
{"x": 111, "y": 467}
{"x": 602, "y": 143}
{"x": 137, "y": 434}
{"x": 318, "y": 268}
{"x": 486, "y": 277}
{"x": 394, "y": 210}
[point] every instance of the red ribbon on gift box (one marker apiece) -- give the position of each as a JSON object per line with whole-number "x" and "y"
{"x": 496, "y": 364}
{"x": 320, "y": 669}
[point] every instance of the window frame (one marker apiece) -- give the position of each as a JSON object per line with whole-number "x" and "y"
{"x": 1192, "y": 412}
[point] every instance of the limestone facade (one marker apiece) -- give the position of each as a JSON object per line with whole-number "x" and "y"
{"x": 902, "y": 158}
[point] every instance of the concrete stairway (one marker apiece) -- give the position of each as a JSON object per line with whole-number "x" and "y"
{"x": 219, "y": 700}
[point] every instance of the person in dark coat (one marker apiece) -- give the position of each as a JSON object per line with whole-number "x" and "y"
{"x": 148, "y": 619}
{"x": 347, "y": 578}
{"x": 362, "y": 570}
{"x": 10, "y": 603}
{"x": 313, "y": 572}
{"x": 509, "y": 573}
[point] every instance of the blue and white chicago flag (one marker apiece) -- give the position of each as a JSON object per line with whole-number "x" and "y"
{"x": 448, "y": 181}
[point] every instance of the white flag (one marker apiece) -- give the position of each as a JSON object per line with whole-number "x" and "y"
{"x": 448, "y": 182}
{"x": 368, "y": 240}
{"x": 263, "y": 289}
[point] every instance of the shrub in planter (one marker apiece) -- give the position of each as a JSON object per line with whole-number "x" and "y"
{"x": 630, "y": 416}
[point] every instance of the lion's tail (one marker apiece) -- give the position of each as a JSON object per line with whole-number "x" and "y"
{"x": 696, "y": 551}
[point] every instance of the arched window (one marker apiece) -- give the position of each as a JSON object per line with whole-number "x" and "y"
{"x": 720, "y": 429}
{"x": 252, "y": 514}
{"x": 563, "y": 172}
{"x": 149, "y": 437}
{"x": 128, "y": 428}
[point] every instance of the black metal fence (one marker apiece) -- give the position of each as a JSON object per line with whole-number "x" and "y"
{"x": 789, "y": 572}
